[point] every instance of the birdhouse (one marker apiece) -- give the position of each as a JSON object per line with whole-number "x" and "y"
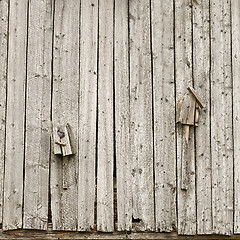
{"x": 188, "y": 110}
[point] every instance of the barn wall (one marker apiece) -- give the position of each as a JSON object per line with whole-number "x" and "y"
{"x": 115, "y": 72}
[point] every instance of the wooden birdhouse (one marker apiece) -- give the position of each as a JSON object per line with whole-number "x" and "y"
{"x": 188, "y": 110}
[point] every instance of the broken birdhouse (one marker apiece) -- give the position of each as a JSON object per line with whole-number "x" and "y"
{"x": 61, "y": 140}
{"x": 188, "y": 110}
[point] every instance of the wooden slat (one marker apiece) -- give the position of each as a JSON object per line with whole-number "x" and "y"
{"x": 164, "y": 111}
{"x": 221, "y": 117}
{"x": 38, "y": 115}
{"x": 13, "y": 182}
{"x": 185, "y": 153}
{"x": 64, "y": 172}
{"x": 201, "y": 75}
{"x": 236, "y": 111}
{"x": 105, "y": 119}
{"x": 3, "y": 85}
{"x": 141, "y": 133}
{"x": 123, "y": 155}
{"x": 87, "y": 114}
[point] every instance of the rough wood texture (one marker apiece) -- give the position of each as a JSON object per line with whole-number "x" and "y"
{"x": 164, "y": 110}
{"x": 235, "y": 11}
{"x": 122, "y": 110}
{"x": 13, "y": 182}
{"x": 3, "y": 85}
{"x": 87, "y": 114}
{"x": 38, "y": 105}
{"x": 221, "y": 118}
{"x": 141, "y": 132}
{"x": 64, "y": 201}
{"x": 201, "y": 75}
{"x": 185, "y": 153}
{"x": 105, "y": 221}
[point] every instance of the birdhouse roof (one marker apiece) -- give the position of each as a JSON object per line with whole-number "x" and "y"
{"x": 198, "y": 98}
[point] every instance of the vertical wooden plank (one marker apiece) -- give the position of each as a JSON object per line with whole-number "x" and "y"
{"x": 38, "y": 115}
{"x": 122, "y": 112}
{"x": 164, "y": 112}
{"x": 185, "y": 153}
{"x": 65, "y": 110}
{"x": 235, "y": 11}
{"x": 3, "y": 84}
{"x": 201, "y": 75}
{"x": 13, "y": 182}
{"x": 221, "y": 117}
{"x": 87, "y": 114}
{"x": 105, "y": 221}
{"x": 141, "y": 114}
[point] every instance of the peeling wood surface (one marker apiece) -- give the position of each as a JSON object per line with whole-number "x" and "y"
{"x": 38, "y": 106}
{"x": 141, "y": 114}
{"x": 221, "y": 118}
{"x": 87, "y": 114}
{"x": 201, "y": 76}
{"x": 164, "y": 109}
{"x": 235, "y": 11}
{"x": 16, "y": 82}
{"x": 3, "y": 84}
{"x": 105, "y": 219}
{"x": 122, "y": 113}
{"x": 185, "y": 153}
{"x": 64, "y": 200}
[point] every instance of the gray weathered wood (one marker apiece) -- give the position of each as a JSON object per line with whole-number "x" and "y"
{"x": 201, "y": 75}
{"x": 221, "y": 118}
{"x": 13, "y": 182}
{"x": 122, "y": 110}
{"x": 38, "y": 105}
{"x": 141, "y": 132}
{"x": 65, "y": 110}
{"x": 87, "y": 114}
{"x": 183, "y": 51}
{"x": 3, "y": 85}
{"x": 164, "y": 111}
{"x": 105, "y": 221}
{"x": 236, "y": 110}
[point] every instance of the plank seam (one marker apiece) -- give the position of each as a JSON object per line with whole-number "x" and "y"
{"x": 175, "y": 97}
{"x": 25, "y": 113}
{"x": 6, "y": 104}
{"x": 153, "y": 119}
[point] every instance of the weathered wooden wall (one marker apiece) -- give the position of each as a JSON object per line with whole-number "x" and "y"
{"x": 115, "y": 71}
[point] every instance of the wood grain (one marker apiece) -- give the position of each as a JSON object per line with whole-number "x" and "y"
{"x": 64, "y": 201}
{"x": 105, "y": 221}
{"x": 164, "y": 115}
{"x": 16, "y": 82}
{"x": 38, "y": 105}
{"x": 141, "y": 115}
{"x": 3, "y": 84}
{"x": 185, "y": 152}
{"x": 87, "y": 114}
{"x": 235, "y": 12}
{"x": 201, "y": 76}
{"x": 221, "y": 118}
{"x": 122, "y": 112}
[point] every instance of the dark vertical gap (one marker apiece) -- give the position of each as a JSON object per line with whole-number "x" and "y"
{"x": 175, "y": 96}
{"x": 25, "y": 113}
{"x": 96, "y": 158}
{"x": 153, "y": 119}
{"x": 231, "y": 36}
{"x": 114, "y": 128}
{"x": 79, "y": 85}
{"x": 129, "y": 87}
{"x": 6, "y": 104}
{"x": 210, "y": 102}
{"x": 51, "y": 115}
{"x": 194, "y": 127}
